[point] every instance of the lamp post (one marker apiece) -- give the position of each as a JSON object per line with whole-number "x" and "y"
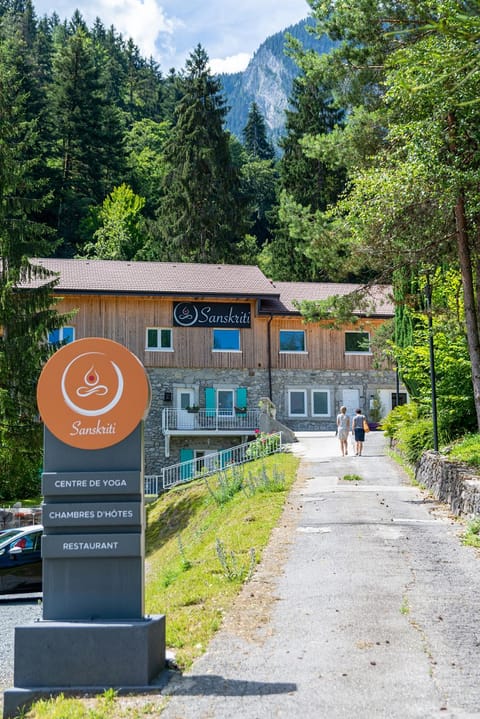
{"x": 428, "y": 303}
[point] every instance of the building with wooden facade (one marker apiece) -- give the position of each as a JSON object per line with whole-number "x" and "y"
{"x": 218, "y": 342}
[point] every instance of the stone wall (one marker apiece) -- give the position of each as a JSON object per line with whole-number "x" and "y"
{"x": 257, "y": 381}
{"x": 450, "y": 482}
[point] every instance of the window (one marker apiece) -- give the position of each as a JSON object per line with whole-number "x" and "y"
{"x": 292, "y": 341}
{"x": 402, "y": 399}
{"x": 159, "y": 338}
{"x": 226, "y": 340}
{"x": 225, "y": 400}
{"x": 320, "y": 403}
{"x": 357, "y": 342}
{"x": 64, "y": 334}
{"x": 297, "y": 403}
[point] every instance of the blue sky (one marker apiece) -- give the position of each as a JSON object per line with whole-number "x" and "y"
{"x": 229, "y": 30}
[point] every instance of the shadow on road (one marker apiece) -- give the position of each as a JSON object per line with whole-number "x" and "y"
{"x": 214, "y": 684}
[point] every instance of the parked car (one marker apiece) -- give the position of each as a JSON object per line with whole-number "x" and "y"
{"x": 21, "y": 561}
{"x": 11, "y": 532}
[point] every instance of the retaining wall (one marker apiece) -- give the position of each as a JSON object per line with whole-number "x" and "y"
{"x": 451, "y": 482}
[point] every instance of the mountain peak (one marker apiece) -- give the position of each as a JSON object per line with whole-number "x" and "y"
{"x": 268, "y": 79}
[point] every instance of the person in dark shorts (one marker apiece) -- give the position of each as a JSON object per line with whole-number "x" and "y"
{"x": 358, "y": 431}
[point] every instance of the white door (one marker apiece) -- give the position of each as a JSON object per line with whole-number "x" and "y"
{"x": 185, "y": 398}
{"x": 351, "y": 400}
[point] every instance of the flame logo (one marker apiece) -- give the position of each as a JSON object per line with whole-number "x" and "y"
{"x": 185, "y": 314}
{"x": 91, "y": 387}
{"x": 92, "y": 380}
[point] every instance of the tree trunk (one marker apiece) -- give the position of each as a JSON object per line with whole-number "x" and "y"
{"x": 471, "y": 319}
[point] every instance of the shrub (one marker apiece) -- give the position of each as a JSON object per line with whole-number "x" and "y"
{"x": 405, "y": 414}
{"x": 263, "y": 445}
{"x": 414, "y": 439}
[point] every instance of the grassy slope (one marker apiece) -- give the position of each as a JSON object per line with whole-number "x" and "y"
{"x": 200, "y": 551}
{"x": 186, "y": 579}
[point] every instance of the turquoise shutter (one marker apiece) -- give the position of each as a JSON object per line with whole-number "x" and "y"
{"x": 241, "y": 397}
{"x": 225, "y": 459}
{"x": 186, "y": 455}
{"x": 210, "y": 401}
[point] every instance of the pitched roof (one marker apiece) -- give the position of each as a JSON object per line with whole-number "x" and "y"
{"x": 202, "y": 280}
{"x": 378, "y": 296}
{"x": 175, "y": 278}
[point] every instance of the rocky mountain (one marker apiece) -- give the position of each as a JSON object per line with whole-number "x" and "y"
{"x": 267, "y": 80}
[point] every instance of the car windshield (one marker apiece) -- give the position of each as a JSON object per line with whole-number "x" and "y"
{"x": 6, "y": 535}
{"x": 25, "y": 538}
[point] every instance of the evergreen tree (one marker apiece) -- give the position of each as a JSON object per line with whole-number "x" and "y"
{"x": 307, "y": 179}
{"x": 26, "y": 313}
{"x": 307, "y": 184}
{"x": 203, "y": 213}
{"x": 255, "y": 136}
{"x": 87, "y": 130}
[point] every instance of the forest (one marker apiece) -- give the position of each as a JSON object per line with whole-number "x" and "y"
{"x": 375, "y": 180}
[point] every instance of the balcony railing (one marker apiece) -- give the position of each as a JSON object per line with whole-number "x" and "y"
{"x": 183, "y": 421}
{"x": 209, "y": 464}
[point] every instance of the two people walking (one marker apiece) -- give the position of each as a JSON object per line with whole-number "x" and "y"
{"x": 358, "y": 430}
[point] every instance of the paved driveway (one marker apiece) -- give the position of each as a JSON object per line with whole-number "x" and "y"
{"x": 366, "y": 606}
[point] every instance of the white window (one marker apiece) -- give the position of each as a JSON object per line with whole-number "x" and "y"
{"x": 297, "y": 402}
{"x": 292, "y": 341}
{"x": 320, "y": 403}
{"x": 64, "y": 335}
{"x": 357, "y": 342}
{"x": 159, "y": 339}
{"x": 226, "y": 340}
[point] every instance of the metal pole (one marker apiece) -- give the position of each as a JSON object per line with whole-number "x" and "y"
{"x": 397, "y": 386}
{"x": 428, "y": 295}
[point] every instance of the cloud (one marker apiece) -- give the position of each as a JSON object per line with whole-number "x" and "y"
{"x": 142, "y": 20}
{"x": 169, "y": 30}
{"x": 234, "y": 63}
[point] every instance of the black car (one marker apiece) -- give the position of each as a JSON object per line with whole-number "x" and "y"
{"x": 21, "y": 561}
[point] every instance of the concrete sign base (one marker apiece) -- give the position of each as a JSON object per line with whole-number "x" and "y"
{"x": 82, "y": 656}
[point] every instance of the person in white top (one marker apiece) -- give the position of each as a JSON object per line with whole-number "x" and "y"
{"x": 343, "y": 427}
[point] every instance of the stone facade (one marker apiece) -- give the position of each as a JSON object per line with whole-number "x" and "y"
{"x": 451, "y": 482}
{"x": 257, "y": 382}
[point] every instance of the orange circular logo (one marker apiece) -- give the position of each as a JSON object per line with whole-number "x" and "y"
{"x": 92, "y": 393}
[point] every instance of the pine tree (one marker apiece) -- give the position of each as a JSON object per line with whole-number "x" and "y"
{"x": 87, "y": 130}
{"x": 202, "y": 215}
{"x": 305, "y": 182}
{"x": 255, "y": 136}
{"x": 309, "y": 180}
{"x": 26, "y": 313}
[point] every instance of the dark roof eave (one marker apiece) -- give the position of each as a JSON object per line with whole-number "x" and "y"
{"x": 152, "y": 293}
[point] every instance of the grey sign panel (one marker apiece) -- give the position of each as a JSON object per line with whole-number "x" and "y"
{"x": 91, "y": 483}
{"x": 91, "y": 514}
{"x": 79, "y": 546}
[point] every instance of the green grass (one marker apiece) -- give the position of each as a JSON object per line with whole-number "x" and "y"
{"x": 472, "y": 533}
{"x": 351, "y": 478}
{"x": 202, "y": 543}
{"x": 467, "y": 450}
{"x": 195, "y": 582}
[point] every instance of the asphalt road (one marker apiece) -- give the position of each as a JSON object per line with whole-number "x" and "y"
{"x": 365, "y": 606}
{"x": 374, "y": 609}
